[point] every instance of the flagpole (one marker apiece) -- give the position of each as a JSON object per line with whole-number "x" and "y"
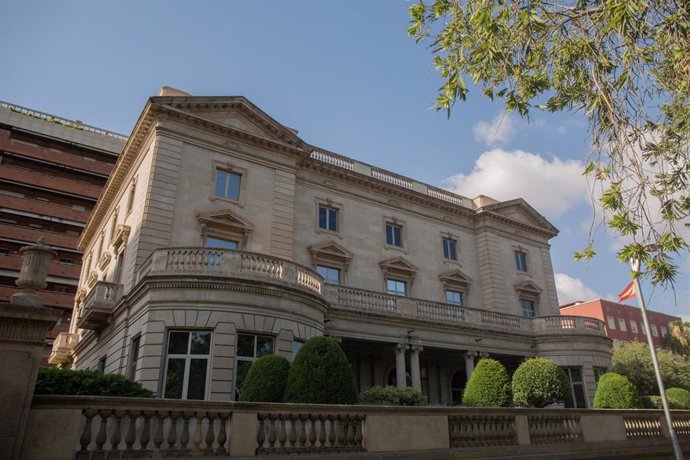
{"x": 635, "y": 264}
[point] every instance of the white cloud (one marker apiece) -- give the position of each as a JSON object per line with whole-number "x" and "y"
{"x": 552, "y": 186}
{"x": 572, "y": 289}
{"x": 500, "y": 130}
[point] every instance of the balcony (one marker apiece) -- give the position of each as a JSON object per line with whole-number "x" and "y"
{"x": 62, "y": 348}
{"x": 98, "y": 305}
{"x": 359, "y": 300}
{"x": 231, "y": 264}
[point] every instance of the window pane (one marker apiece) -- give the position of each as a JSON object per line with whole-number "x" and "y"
{"x": 396, "y": 287}
{"x": 296, "y": 347}
{"x": 264, "y": 346}
{"x": 245, "y": 345}
{"x": 234, "y": 186}
{"x": 196, "y": 387}
{"x": 579, "y": 393}
{"x": 330, "y": 275}
{"x": 323, "y": 217}
{"x": 178, "y": 343}
{"x": 227, "y": 184}
{"x": 527, "y": 308}
{"x": 389, "y": 234}
{"x": 201, "y": 343}
{"x": 333, "y": 219}
{"x": 220, "y": 243}
{"x": 173, "y": 378}
{"x": 221, "y": 182}
{"x": 242, "y": 370}
{"x": 397, "y": 233}
{"x": 454, "y": 297}
{"x": 575, "y": 374}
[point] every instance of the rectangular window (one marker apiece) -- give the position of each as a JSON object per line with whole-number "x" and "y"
{"x": 296, "y": 347}
{"x": 101, "y": 364}
{"x": 633, "y": 327}
{"x": 219, "y": 243}
{"x": 328, "y": 218}
{"x": 133, "y": 356}
{"x": 394, "y": 234}
{"x": 621, "y": 324}
{"x": 527, "y": 308}
{"x": 611, "y": 321}
{"x": 664, "y": 332}
{"x": 655, "y": 332}
{"x": 454, "y": 297}
{"x": 577, "y": 399}
{"x": 598, "y": 372}
{"x": 249, "y": 347}
{"x": 330, "y": 275}
{"x": 187, "y": 359}
{"x": 227, "y": 184}
{"x": 521, "y": 261}
{"x": 449, "y": 249}
{"x": 396, "y": 287}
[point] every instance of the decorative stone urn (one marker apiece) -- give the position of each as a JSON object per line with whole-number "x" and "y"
{"x": 32, "y": 277}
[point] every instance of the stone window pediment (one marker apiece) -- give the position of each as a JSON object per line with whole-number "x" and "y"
{"x": 120, "y": 238}
{"x": 225, "y": 224}
{"x": 528, "y": 290}
{"x": 398, "y": 268}
{"x": 455, "y": 279}
{"x": 330, "y": 254}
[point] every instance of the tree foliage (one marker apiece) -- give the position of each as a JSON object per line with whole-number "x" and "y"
{"x": 634, "y": 361}
{"x": 53, "y": 381}
{"x": 625, "y": 64}
{"x": 615, "y": 391}
{"x": 538, "y": 382}
{"x": 678, "y": 337}
{"x": 266, "y": 379}
{"x": 489, "y": 386}
{"x": 320, "y": 374}
{"x": 392, "y": 396}
{"x": 681, "y": 395}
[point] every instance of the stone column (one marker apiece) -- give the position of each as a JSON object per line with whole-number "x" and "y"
{"x": 400, "y": 373}
{"x": 25, "y": 325}
{"x": 469, "y": 363}
{"x": 414, "y": 367}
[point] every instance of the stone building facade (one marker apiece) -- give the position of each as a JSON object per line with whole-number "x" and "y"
{"x": 221, "y": 236}
{"x": 51, "y": 172}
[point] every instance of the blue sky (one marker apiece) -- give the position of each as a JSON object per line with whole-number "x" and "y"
{"x": 343, "y": 73}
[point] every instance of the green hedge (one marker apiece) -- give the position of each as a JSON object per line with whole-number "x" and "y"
{"x": 679, "y": 394}
{"x": 489, "y": 386}
{"x": 266, "y": 379}
{"x": 320, "y": 374}
{"x": 538, "y": 382}
{"x": 654, "y": 402}
{"x": 392, "y": 396}
{"x": 53, "y": 381}
{"x": 615, "y": 391}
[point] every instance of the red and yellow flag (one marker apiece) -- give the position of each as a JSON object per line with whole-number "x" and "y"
{"x": 627, "y": 293}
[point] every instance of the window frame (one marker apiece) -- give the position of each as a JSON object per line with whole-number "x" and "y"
{"x": 521, "y": 264}
{"x": 133, "y": 356}
{"x": 452, "y": 243}
{"x": 240, "y": 358}
{"x": 454, "y": 291}
{"x": 622, "y": 325}
{"x": 394, "y": 225}
{"x": 327, "y": 269}
{"x": 187, "y": 357}
{"x": 397, "y": 281}
{"x": 573, "y": 404}
{"x": 227, "y": 240}
{"x": 329, "y": 208}
{"x": 611, "y": 322}
{"x": 230, "y": 189}
{"x": 229, "y": 168}
{"x": 633, "y": 327}
{"x": 532, "y": 304}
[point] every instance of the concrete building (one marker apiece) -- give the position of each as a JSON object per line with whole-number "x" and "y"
{"x": 221, "y": 235}
{"x": 51, "y": 173}
{"x": 623, "y": 322}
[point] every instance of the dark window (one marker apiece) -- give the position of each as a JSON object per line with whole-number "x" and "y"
{"x": 101, "y": 364}
{"x": 133, "y": 357}
{"x": 449, "y": 249}
{"x": 227, "y": 184}
{"x": 187, "y": 364}
{"x": 394, "y": 234}
{"x": 249, "y": 347}
{"x": 330, "y": 275}
{"x": 328, "y": 218}
{"x": 578, "y": 388}
{"x": 527, "y": 307}
{"x": 521, "y": 261}
{"x": 454, "y": 297}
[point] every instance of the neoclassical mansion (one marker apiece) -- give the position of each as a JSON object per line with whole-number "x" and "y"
{"x": 221, "y": 236}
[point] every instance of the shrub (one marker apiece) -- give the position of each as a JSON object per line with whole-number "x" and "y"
{"x": 53, "y": 381}
{"x": 679, "y": 394}
{"x": 654, "y": 402}
{"x": 615, "y": 391}
{"x": 265, "y": 381}
{"x": 538, "y": 382}
{"x": 392, "y": 396}
{"x": 489, "y": 385}
{"x": 320, "y": 374}
{"x": 634, "y": 361}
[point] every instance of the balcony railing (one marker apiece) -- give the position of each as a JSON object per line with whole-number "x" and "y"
{"x": 62, "y": 348}
{"x": 98, "y": 305}
{"x": 233, "y": 264}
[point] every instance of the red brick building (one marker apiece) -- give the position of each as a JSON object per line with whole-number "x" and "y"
{"x": 52, "y": 171}
{"x": 623, "y": 322}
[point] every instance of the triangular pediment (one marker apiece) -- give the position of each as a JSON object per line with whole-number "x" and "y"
{"x": 330, "y": 249}
{"x": 398, "y": 264}
{"x": 456, "y": 277}
{"x": 528, "y": 287}
{"x": 225, "y": 219}
{"x": 520, "y": 211}
{"x": 234, "y": 112}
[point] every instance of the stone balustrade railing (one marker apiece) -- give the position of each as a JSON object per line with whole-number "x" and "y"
{"x": 230, "y": 263}
{"x": 67, "y": 427}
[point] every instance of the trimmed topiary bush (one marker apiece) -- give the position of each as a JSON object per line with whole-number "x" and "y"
{"x": 679, "y": 394}
{"x": 266, "y": 379}
{"x": 392, "y": 396}
{"x": 489, "y": 385}
{"x": 615, "y": 391}
{"x": 654, "y": 402}
{"x": 320, "y": 374}
{"x": 53, "y": 381}
{"x": 538, "y": 382}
